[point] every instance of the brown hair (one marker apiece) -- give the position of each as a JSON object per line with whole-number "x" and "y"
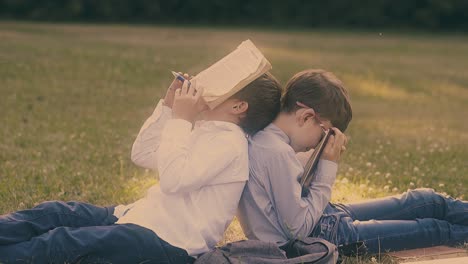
{"x": 322, "y": 91}
{"x": 264, "y": 98}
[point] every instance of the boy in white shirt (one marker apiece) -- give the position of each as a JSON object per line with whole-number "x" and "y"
{"x": 203, "y": 167}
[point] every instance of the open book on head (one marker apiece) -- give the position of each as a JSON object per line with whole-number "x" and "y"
{"x": 310, "y": 168}
{"x": 232, "y": 73}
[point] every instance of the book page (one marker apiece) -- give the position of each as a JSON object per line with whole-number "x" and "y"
{"x": 225, "y": 74}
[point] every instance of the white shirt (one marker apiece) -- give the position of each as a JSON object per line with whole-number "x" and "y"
{"x": 202, "y": 173}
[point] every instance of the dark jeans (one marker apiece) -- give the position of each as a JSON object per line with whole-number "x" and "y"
{"x": 59, "y": 232}
{"x": 415, "y": 219}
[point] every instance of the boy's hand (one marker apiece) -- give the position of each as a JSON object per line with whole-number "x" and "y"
{"x": 336, "y": 145}
{"x": 170, "y": 93}
{"x": 188, "y": 102}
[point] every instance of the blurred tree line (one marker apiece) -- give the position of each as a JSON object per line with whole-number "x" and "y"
{"x": 426, "y": 14}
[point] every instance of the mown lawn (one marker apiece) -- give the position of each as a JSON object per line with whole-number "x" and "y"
{"x": 73, "y": 98}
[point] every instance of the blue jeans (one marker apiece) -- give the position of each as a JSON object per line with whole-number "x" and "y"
{"x": 59, "y": 232}
{"x": 415, "y": 219}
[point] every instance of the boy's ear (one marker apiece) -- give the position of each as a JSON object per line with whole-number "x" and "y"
{"x": 240, "y": 107}
{"x": 304, "y": 114}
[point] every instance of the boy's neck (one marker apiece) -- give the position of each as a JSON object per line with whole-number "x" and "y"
{"x": 223, "y": 118}
{"x": 285, "y": 122}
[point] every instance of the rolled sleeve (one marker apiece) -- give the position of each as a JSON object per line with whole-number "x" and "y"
{"x": 326, "y": 172}
{"x": 147, "y": 142}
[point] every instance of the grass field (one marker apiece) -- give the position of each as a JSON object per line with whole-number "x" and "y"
{"x": 73, "y": 98}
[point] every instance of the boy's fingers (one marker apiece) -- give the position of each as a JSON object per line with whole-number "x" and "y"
{"x": 185, "y": 88}
{"x": 339, "y": 135}
{"x": 339, "y": 142}
{"x": 337, "y": 131}
{"x": 331, "y": 142}
{"x": 191, "y": 89}
{"x": 176, "y": 84}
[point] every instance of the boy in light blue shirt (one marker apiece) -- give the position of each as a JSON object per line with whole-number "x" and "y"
{"x": 272, "y": 209}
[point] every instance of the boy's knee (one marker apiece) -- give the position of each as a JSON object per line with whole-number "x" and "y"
{"x": 59, "y": 207}
{"x": 51, "y": 205}
{"x": 427, "y": 194}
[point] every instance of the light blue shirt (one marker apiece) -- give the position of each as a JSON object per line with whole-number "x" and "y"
{"x": 271, "y": 207}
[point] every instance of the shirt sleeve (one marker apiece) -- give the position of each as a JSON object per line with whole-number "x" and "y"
{"x": 149, "y": 138}
{"x": 185, "y": 165}
{"x": 298, "y": 215}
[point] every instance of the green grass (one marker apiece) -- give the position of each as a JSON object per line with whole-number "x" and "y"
{"x": 73, "y": 98}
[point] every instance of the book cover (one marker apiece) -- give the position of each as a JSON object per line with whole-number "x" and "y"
{"x": 232, "y": 73}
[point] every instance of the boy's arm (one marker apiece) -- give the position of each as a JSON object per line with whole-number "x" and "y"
{"x": 184, "y": 167}
{"x": 298, "y": 215}
{"x": 147, "y": 142}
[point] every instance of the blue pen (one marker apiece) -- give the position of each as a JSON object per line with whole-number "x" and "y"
{"x": 180, "y": 77}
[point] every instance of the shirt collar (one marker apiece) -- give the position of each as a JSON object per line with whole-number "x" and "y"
{"x": 272, "y": 128}
{"x": 219, "y": 124}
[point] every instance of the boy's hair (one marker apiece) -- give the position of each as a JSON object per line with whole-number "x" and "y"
{"x": 322, "y": 91}
{"x": 264, "y": 98}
